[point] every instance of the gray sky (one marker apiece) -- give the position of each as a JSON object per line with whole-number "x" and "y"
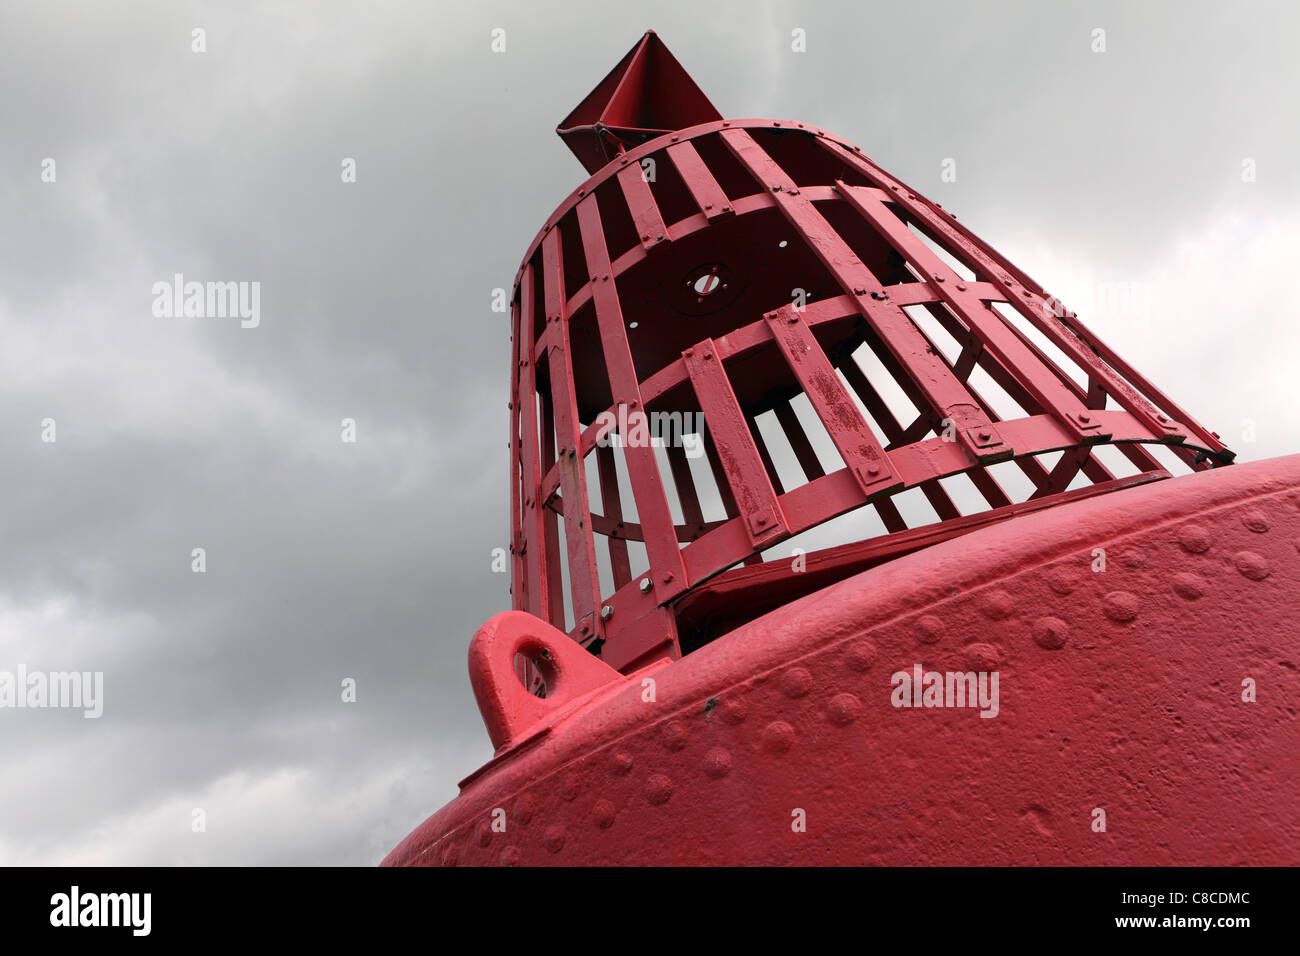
{"x": 1093, "y": 171}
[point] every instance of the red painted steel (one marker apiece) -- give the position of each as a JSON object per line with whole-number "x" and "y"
{"x": 646, "y": 95}
{"x": 1120, "y": 691}
{"x": 862, "y": 454}
{"x": 742, "y": 466}
{"x": 774, "y": 298}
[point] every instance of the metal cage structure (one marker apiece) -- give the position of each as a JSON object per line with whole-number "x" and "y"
{"x": 844, "y": 341}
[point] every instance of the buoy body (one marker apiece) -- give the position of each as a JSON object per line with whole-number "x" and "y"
{"x": 1120, "y": 704}
{"x": 836, "y": 539}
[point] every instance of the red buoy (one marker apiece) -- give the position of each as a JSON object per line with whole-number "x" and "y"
{"x": 836, "y": 539}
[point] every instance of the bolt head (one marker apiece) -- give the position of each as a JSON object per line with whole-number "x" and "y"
{"x": 645, "y": 585}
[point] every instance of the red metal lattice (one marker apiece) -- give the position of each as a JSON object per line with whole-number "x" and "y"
{"x": 666, "y": 284}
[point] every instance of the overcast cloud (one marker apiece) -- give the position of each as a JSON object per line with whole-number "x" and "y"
{"x": 328, "y": 560}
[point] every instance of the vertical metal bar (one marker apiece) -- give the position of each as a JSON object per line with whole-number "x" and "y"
{"x": 643, "y": 469}
{"x": 862, "y": 452}
{"x": 742, "y": 465}
{"x": 1096, "y": 472}
{"x": 553, "y": 573}
{"x": 619, "y": 564}
{"x": 704, "y": 189}
{"x": 692, "y": 513}
{"x": 518, "y": 581}
{"x": 584, "y": 579}
{"x": 724, "y": 490}
{"x": 720, "y": 477}
{"x": 799, "y": 443}
{"x": 534, "y": 513}
{"x": 641, "y": 204}
{"x": 888, "y": 512}
{"x": 764, "y": 454}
